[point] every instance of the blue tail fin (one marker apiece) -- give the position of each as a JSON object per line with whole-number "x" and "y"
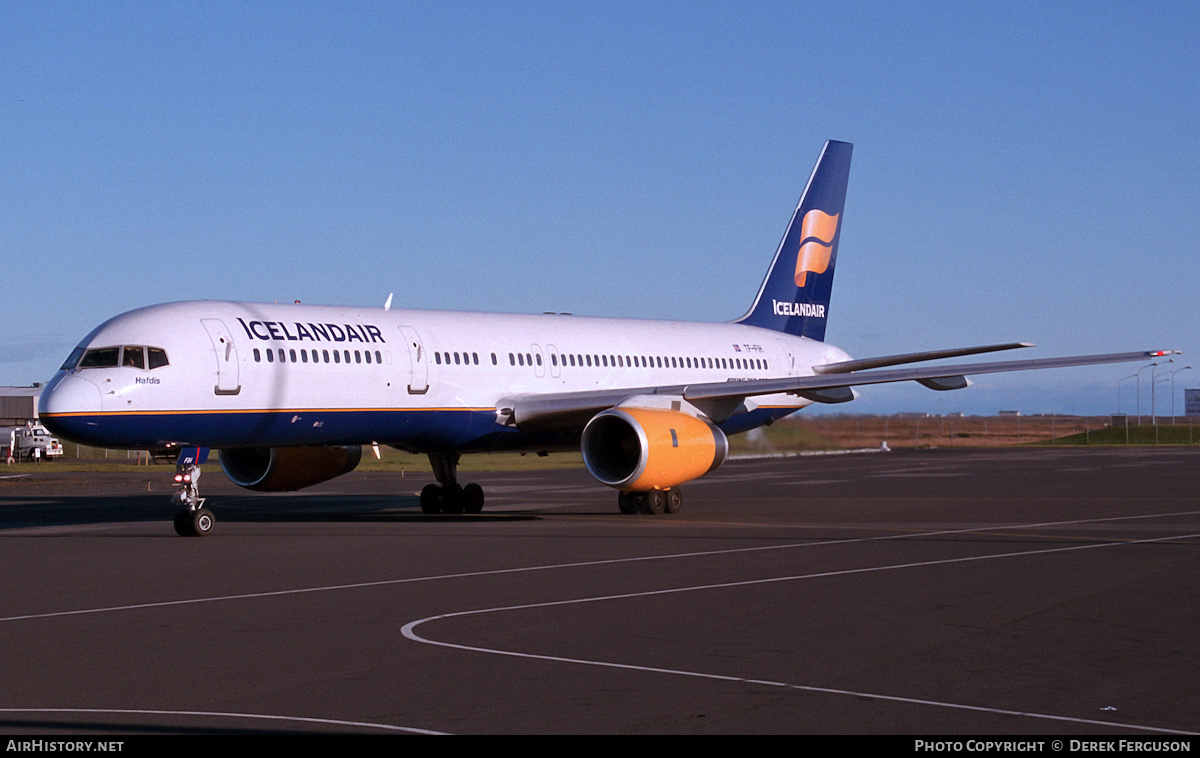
{"x": 794, "y": 297}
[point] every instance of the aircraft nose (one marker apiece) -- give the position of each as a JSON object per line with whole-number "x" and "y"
{"x": 66, "y": 401}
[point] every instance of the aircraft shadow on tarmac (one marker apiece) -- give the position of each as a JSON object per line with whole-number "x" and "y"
{"x": 22, "y": 512}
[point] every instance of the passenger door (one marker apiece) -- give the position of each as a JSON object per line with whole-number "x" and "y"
{"x": 227, "y": 359}
{"x": 418, "y": 383}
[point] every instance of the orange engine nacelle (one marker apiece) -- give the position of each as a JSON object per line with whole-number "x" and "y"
{"x": 283, "y": 469}
{"x": 646, "y": 449}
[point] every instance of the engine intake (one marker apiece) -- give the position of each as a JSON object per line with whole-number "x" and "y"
{"x": 284, "y": 469}
{"x": 648, "y": 449}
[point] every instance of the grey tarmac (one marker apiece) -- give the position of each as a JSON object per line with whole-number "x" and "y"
{"x": 1015, "y": 591}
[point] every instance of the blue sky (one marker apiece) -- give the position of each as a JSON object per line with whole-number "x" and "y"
{"x": 1021, "y": 171}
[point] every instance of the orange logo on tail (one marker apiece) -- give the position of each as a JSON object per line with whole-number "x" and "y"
{"x": 817, "y": 231}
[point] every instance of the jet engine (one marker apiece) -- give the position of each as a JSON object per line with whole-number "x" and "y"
{"x": 283, "y": 469}
{"x": 638, "y": 449}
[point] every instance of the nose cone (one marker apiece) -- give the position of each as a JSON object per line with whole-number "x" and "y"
{"x": 68, "y": 406}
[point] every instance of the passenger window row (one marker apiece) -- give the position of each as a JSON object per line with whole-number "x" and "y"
{"x": 658, "y": 361}
{"x": 631, "y": 361}
{"x": 292, "y": 355}
{"x": 463, "y": 358}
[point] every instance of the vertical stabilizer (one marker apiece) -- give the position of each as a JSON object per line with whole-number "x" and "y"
{"x": 794, "y": 297}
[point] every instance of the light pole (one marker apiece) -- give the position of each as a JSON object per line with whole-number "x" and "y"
{"x": 1139, "y": 390}
{"x": 1131, "y": 376}
{"x": 1173, "y": 373}
{"x": 1153, "y": 382}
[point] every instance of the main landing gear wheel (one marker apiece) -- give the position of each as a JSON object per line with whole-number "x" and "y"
{"x": 473, "y": 495}
{"x": 653, "y": 502}
{"x": 431, "y": 496}
{"x": 628, "y": 502}
{"x": 448, "y": 496}
{"x": 451, "y": 498}
{"x": 674, "y": 500}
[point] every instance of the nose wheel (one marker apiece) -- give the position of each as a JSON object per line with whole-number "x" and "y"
{"x": 197, "y": 523}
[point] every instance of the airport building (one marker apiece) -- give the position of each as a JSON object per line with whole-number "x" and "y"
{"x": 1191, "y": 402}
{"x": 18, "y": 405}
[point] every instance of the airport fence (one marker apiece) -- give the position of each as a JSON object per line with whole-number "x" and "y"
{"x": 850, "y": 431}
{"x": 828, "y": 432}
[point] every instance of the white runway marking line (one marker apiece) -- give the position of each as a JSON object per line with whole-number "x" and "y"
{"x": 583, "y": 564}
{"x": 408, "y": 632}
{"x": 218, "y": 714}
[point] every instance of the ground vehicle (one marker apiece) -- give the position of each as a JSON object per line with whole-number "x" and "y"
{"x": 33, "y": 442}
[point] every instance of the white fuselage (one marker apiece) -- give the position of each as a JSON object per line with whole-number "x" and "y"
{"x": 244, "y": 374}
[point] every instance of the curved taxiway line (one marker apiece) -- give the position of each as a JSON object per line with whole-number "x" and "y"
{"x": 220, "y": 714}
{"x": 408, "y": 630}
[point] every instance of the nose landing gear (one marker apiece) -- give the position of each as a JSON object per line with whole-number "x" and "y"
{"x": 192, "y": 519}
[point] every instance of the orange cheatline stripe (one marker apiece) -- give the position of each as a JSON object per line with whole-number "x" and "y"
{"x": 218, "y": 411}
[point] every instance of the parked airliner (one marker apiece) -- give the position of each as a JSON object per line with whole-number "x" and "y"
{"x": 289, "y": 394}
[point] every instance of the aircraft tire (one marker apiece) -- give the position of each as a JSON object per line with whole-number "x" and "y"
{"x": 453, "y": 500}
{"x": 202, "y": 522}
{"x": 473, "y": 498}
{"x": 674, "y": 500}
{"x": 655, "y": 502}
{"x": 627, "y": 502}
{"x": 183, "y": 524}
{"x": 431, "y": 497}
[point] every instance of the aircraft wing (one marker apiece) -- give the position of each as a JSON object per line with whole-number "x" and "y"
{"x": 829, "y": 387}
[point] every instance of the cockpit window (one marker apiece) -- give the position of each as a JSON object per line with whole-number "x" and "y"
{"x": 134, "y": 355}
{"x": 131, "y": 356}
{"x": 72, "y": 359}
{"x": 104, "y": 357}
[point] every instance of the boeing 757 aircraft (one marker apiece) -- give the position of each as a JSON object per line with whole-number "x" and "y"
{"x": 289, "y": 394}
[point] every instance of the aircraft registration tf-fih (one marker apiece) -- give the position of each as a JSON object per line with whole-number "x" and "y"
{"x": 289, "y": 394}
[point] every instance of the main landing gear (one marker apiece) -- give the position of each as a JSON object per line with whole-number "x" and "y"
{"x": 192, "y": 519}
{"x": 654, "y": 502}
{"x": 448, "y": 496}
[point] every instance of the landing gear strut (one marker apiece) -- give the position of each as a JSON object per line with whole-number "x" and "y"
{"x": 448, "y": 496}
{"x": 653, "y": 502}
{"x": 192, "y": 519}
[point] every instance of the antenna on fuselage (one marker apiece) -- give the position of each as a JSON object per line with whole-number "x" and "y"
{"x": 388, "y": 305}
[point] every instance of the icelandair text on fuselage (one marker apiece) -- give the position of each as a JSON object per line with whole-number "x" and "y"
{"x": 1057, "y": 746}
{"x": 798, "y": 309}
{"x": 279, "y": 331}
{"x": 62, "y": 746}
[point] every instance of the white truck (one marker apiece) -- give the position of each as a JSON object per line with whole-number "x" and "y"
{"x": 32, "y": 442}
